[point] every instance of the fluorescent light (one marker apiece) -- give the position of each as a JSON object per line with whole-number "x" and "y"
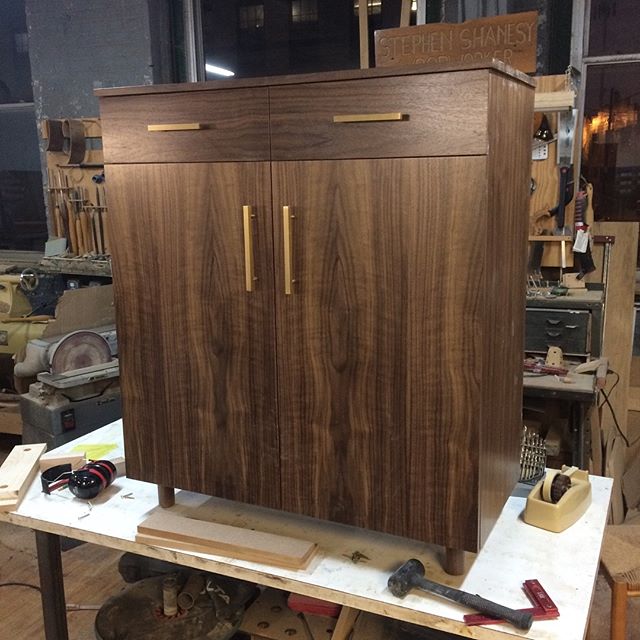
{"x": 211, "y": 68}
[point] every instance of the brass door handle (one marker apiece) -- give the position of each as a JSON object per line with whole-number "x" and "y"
{"x": 370, "y": 117}
{"x": 287, "y": 217}
{"x": 249, "y": 275}
{"x": 177, "y": 126}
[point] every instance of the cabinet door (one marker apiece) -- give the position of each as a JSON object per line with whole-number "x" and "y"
{"x": 378, "y": 404}
{"x": 196, "y": 348}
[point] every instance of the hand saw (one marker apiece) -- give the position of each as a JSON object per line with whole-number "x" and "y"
{"x": 565, "y": 148}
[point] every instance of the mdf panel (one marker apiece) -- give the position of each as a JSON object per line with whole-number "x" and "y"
{"x": 197, "y": 358}
{"x": 378, "y": 406}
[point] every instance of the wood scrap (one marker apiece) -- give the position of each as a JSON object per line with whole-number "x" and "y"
{"x": 631, "y": 484}
{"x": 54, "y": 458}
{"x": 167, "y": 528}
{"x": 17, "y": 473}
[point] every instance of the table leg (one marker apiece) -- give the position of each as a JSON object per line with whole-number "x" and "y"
{"x": 576, "y": 419}
{"x": 52, "y": 586}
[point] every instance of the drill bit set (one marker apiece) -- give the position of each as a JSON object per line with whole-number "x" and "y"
{"x": 533, "y": 456}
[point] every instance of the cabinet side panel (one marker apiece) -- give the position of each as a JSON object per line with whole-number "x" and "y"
{"x": 196, "y": 349}
{"x": 379, "y": 343}
{"x": 511, "y": 117}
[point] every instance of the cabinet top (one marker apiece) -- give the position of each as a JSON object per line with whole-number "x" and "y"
{"x": 330, "y": 76}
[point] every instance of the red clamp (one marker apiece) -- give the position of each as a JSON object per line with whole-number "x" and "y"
{"x": 543, "y": 606}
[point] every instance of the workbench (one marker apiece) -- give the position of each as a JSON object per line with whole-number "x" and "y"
{"x": 579, "y": 391}
{"x": 566, "y": 564}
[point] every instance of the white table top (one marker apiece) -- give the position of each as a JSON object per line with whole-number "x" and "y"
{"x": 566, "y": 563}
{"x": 574, "y": 383}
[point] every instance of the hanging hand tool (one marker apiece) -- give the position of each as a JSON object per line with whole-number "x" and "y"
{"x": 411, "y": 574}
{"x": 582, "y": 244}
{"x": 566, "y": 137}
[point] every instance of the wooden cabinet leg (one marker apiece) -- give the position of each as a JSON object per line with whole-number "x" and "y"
{"x": 166, "y": 496}
{"x": 618, "y": 610}
{"x": 54, "y": 610}
{"x": 454, "y": 561}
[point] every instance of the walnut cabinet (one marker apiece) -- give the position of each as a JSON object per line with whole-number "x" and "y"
{"x": 320, "y": 291}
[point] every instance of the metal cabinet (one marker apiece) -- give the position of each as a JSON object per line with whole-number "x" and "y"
{"x": 573, "y": 323}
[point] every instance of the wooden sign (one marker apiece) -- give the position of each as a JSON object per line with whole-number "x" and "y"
{"x": 510, "y": 38}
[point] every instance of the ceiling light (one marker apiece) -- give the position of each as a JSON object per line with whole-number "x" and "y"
{"x": 219, "y": 71}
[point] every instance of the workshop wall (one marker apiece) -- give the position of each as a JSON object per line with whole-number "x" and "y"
{"x": 78, "y": 45}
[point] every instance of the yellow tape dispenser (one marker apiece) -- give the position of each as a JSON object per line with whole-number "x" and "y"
{"x": 559, "y": 499}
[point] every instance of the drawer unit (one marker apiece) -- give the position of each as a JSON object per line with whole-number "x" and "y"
{"x": 380, "y": 118}
{"x": 198, "y": 126}
{"x": 568, "y": 329}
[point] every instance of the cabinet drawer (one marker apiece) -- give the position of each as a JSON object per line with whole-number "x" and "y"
{"x": 567, "y": 329}
{"x": 437, "y": 117}
{"x": 221, "y": 126}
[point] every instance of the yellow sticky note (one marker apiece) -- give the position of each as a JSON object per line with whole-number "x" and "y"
{"x": 95, "y": 451}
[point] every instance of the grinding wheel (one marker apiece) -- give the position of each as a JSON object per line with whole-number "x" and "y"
{"x": 79, "y": 350}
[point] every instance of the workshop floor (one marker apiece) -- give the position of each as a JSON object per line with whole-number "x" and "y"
{"x": 91, "y": 576}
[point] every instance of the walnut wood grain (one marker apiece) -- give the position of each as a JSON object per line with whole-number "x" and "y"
{"x": 441, "y": 118}
{"x": 235, "y": 127}
{"x": 384, "y": 391}
{"x": 196, "y": 349}
{"x": 377, "y": 403}
{"x": 504, "y": 277}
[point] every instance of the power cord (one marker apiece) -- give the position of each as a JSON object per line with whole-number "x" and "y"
{"x": 19, "y": 584}
{"x": 607, "y": 402}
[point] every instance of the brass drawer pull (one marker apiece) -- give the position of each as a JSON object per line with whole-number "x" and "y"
{"x": 177, "y": 126}
{"x": 247, "y": 219}
{"x": 370, "y": 117}
{"x": 287, "y": 216}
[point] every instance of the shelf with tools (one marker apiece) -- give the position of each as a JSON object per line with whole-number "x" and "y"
{"x": 555, "y": 100}
{"x": 78, "y": 213}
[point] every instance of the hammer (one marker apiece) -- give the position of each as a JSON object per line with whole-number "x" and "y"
{"x": 411, "y": 574}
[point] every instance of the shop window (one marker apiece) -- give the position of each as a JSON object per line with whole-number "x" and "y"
{"x": 22, "y": 215}
{"x": 611, "y": 140}
{"x": 614, "y": 26}
{"x": 275, "y": 37}
{"x": 251, "y": 16}
{"x": 374, "y": 7}
{"x": 304, "y": 11}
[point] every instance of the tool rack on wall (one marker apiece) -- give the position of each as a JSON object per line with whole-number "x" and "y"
{"x": 553, "y": 95}
{"x": 76, "y": 197}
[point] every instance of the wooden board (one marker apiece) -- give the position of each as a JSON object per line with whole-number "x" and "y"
{"x": 221, "y": 539}
{"x": 53, "y": 459}
{"x": 619, "y": 314}
{"x": 10, "y": 418}
{"x": 545, "y": 173}
{"x": 511, "y": 38}
{"x": 17, "y": 472}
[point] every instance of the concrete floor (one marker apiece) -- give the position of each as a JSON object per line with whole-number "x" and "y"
{"x": 91, "y": 576}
